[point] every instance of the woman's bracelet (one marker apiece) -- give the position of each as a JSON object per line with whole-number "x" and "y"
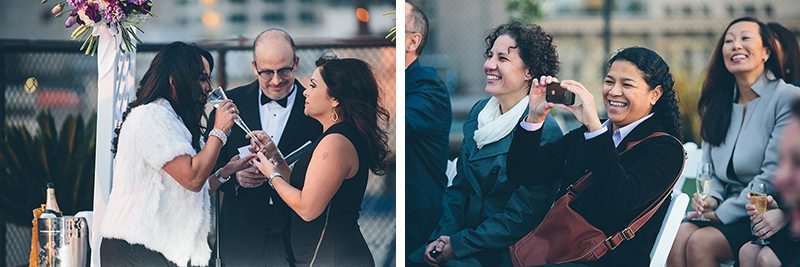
{"x": 272, "y": 177}
{"x": 219, "y": 134}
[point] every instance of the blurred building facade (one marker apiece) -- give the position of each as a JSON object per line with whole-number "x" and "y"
{"x": 195, "y": 20}
{"x": 684, "y": 32}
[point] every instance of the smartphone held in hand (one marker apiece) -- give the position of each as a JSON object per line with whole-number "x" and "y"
{"x": 559, "y": 95}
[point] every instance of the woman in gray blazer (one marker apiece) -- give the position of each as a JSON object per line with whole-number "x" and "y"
{"x": 744, "y": 105}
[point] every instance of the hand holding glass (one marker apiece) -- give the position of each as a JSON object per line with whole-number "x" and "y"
{"x": 703, "y": 183}
{"x": 218, "y": 95}
{"x": 758, "y": 197}
{"x": 270, "y": 149}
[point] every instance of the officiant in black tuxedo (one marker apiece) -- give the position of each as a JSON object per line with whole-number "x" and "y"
{"x": 254, "y": 220}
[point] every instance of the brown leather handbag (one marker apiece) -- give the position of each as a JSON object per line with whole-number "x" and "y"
{"x": 565, "y": 236}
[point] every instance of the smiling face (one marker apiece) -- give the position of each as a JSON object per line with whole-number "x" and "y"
{"x": 271, "y": 56}
{"x": 319, "y": 104}
{"x": 743, "y": 49}
{"x": 504, "y": 69}
{"x": 626, "y": 94}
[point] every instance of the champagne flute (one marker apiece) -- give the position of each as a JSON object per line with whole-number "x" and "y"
{"x": 758, "y": 197}
{"x": 217, "y": 96}
{"x": 703, "y": 183}
{"x": 273, "y": 153}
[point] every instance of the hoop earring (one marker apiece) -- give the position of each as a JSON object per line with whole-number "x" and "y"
{"x": 335, "y": 116}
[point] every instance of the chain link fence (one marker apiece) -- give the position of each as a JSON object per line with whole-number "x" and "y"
{"x": 55, "y": 76}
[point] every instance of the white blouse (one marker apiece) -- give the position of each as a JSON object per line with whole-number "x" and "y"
{"x": 147, "y": 206}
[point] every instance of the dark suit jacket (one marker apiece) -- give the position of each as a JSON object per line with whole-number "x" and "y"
{"x": 246, "y": 218}
{"x": 428, "y": 118}
{"x": 484, "y": 212}
{"x": 622, "y": 186}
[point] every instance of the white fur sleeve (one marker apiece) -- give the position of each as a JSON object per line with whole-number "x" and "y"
{"x": 159, "y": 135}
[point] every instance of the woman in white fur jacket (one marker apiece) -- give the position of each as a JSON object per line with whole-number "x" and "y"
{"x": 158, "y": 211}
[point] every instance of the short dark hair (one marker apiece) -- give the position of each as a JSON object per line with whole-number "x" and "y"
{"x": 419, "y": 23}
{"x": 535, "y": 47}
{"x": 791, "y": 52}
{"x": 715, "y": 106}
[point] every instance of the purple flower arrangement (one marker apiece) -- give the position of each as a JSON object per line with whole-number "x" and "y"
{"x": 122, "y": 17}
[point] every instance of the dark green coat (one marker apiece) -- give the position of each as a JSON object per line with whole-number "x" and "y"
{"x": 483, "y": 211}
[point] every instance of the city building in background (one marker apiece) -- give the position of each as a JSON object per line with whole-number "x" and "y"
{"x": 684, "y": 32}
{"x": 216, "y": 20}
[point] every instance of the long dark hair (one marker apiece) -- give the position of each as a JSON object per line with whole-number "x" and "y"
{"x": 182, "y": 63}
{"x": 655, "y": 72}
{"x": 352, "y": 82}
{"x": 715, "y": 104}
{"x": 791, "y": 51}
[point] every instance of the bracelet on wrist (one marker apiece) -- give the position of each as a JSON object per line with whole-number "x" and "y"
{"x": 220, "y": 178}
{"x": 272, "y": 176}
{"x": 219, "y": 134}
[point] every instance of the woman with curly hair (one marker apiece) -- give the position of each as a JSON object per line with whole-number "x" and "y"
{"x": 640, "y": 99}
{"x": 326, "y": 186}
{"x": 484, "y": 212}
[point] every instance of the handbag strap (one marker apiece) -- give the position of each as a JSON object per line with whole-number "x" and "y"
{"x": 580, "y": 185}
{"x": 629, "y": 232}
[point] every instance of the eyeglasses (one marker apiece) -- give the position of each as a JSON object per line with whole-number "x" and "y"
{"x": 283, "y": 73}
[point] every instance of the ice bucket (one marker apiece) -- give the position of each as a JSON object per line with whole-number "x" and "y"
{"x": 63, "y": 241}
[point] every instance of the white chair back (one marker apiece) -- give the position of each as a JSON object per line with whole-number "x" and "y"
{"x": 669, "y": 229}
{"x": 693, "y": 157}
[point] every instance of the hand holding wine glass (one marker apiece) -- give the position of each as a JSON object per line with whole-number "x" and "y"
{"x": 226, "y": 113}
{"x": 703, "y": 182}
{"x": 217, "y": 97}
{"x": 758, "y": 198}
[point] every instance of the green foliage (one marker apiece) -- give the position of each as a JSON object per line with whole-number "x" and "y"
{"x": 524, "y": 10}
{"x": 28, "y": 163}
{"x": 688, "y": 95}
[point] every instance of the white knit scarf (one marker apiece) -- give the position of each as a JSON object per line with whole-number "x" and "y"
{"x": 493, "y": 126}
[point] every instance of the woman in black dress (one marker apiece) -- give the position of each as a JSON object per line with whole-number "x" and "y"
{"x": 326, "y": 186}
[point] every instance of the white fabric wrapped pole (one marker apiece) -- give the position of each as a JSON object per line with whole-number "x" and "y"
{"x": 115, "y": 88}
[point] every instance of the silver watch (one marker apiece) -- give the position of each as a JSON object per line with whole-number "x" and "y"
{"x": 219, "y": 176}
{"x": 272, "y": 176}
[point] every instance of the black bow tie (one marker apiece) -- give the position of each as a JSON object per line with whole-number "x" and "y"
{"x": 265, "y": 99}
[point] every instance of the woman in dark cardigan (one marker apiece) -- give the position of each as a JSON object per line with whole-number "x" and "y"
{"x": 639, "y": 96}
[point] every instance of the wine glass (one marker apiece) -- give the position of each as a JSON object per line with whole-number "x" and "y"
{"x": 270, "y": 149}
{"x": 703, "y": 183}
{"x": 758, "y": 197}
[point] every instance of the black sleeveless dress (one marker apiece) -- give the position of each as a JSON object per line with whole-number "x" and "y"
{"x": 334, "y": 238}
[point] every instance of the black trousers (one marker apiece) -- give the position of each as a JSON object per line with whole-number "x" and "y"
{"x": 116, "y": 252}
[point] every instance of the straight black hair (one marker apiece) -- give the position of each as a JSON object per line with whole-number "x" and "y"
{"x": 715, "y": 105}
